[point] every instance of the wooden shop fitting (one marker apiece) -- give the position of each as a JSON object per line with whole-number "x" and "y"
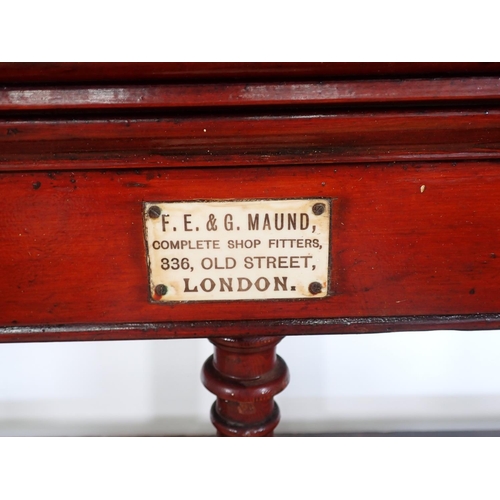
{"x": 246, "y": 202}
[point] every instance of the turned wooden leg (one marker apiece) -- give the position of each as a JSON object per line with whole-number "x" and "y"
{"x": 245, "y": 375}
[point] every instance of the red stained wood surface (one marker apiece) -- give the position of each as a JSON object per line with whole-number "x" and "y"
{"x": 245, "y": 375}
{"x": 408, "y": 153}
{"x": 246, "y": 328}
{"x": 237, "y": 141}
{"x": 28, "y": 73}
{"x": 248, "y": 94}
{"x": 407, "y": 239}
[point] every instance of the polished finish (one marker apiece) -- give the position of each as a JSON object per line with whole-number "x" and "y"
{"x": 408, "y": 155}
{"x": 258, "y": 138}
{"x": 245, "y": 375}
{"x": 396, "y": 250}
{"x": 200, "y": 329}
{"x": 162, "y": 97}
{"x": 60, "y": 73}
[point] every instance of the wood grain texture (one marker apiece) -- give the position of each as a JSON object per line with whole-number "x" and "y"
{"x": 209, "y": 95}
{"x": 46, "y": 73}
{"x": 245, "y": 375}
{"x": 245, "y": 328}
{"x": 408, "y": 153}
{"x": 74, "y": 252}
{"x": 264, "y": 139}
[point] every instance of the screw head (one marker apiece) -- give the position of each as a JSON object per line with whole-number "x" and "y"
{"x": 318, "y": 208}
{"x": 315, "y": 287}
{"x": 154, "y": 212}
{"x": 161, "y": 290}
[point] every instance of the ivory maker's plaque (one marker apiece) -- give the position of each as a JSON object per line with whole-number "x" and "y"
{"x": 238, "y": 250}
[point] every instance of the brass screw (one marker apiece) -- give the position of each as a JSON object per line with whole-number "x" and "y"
{"x": 154, "y": 212}
{"x": 318, "y": 208}
{"x": 315, "y": 287}
{"x": 161, "y": 290}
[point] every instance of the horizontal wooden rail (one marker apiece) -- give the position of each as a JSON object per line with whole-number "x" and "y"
{"x": 249, "y": 94}
{"x": 72, "y": 73}
{"x": 203, "y": 329}
{"x": 398, "y": 135}
{"x": 406, "y": 239}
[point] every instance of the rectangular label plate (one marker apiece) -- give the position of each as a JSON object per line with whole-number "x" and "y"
{"x": 238, "y": 250}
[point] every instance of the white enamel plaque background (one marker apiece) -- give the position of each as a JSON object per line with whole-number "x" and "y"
{"x": 238, "y": 250}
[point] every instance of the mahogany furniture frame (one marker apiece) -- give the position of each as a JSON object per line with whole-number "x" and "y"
{"x": 410, "y": 153}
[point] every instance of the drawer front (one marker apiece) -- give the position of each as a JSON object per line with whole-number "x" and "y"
{"x": 408, "y": 239}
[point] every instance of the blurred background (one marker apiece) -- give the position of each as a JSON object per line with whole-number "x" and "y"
{"x": 392, "y": 382}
